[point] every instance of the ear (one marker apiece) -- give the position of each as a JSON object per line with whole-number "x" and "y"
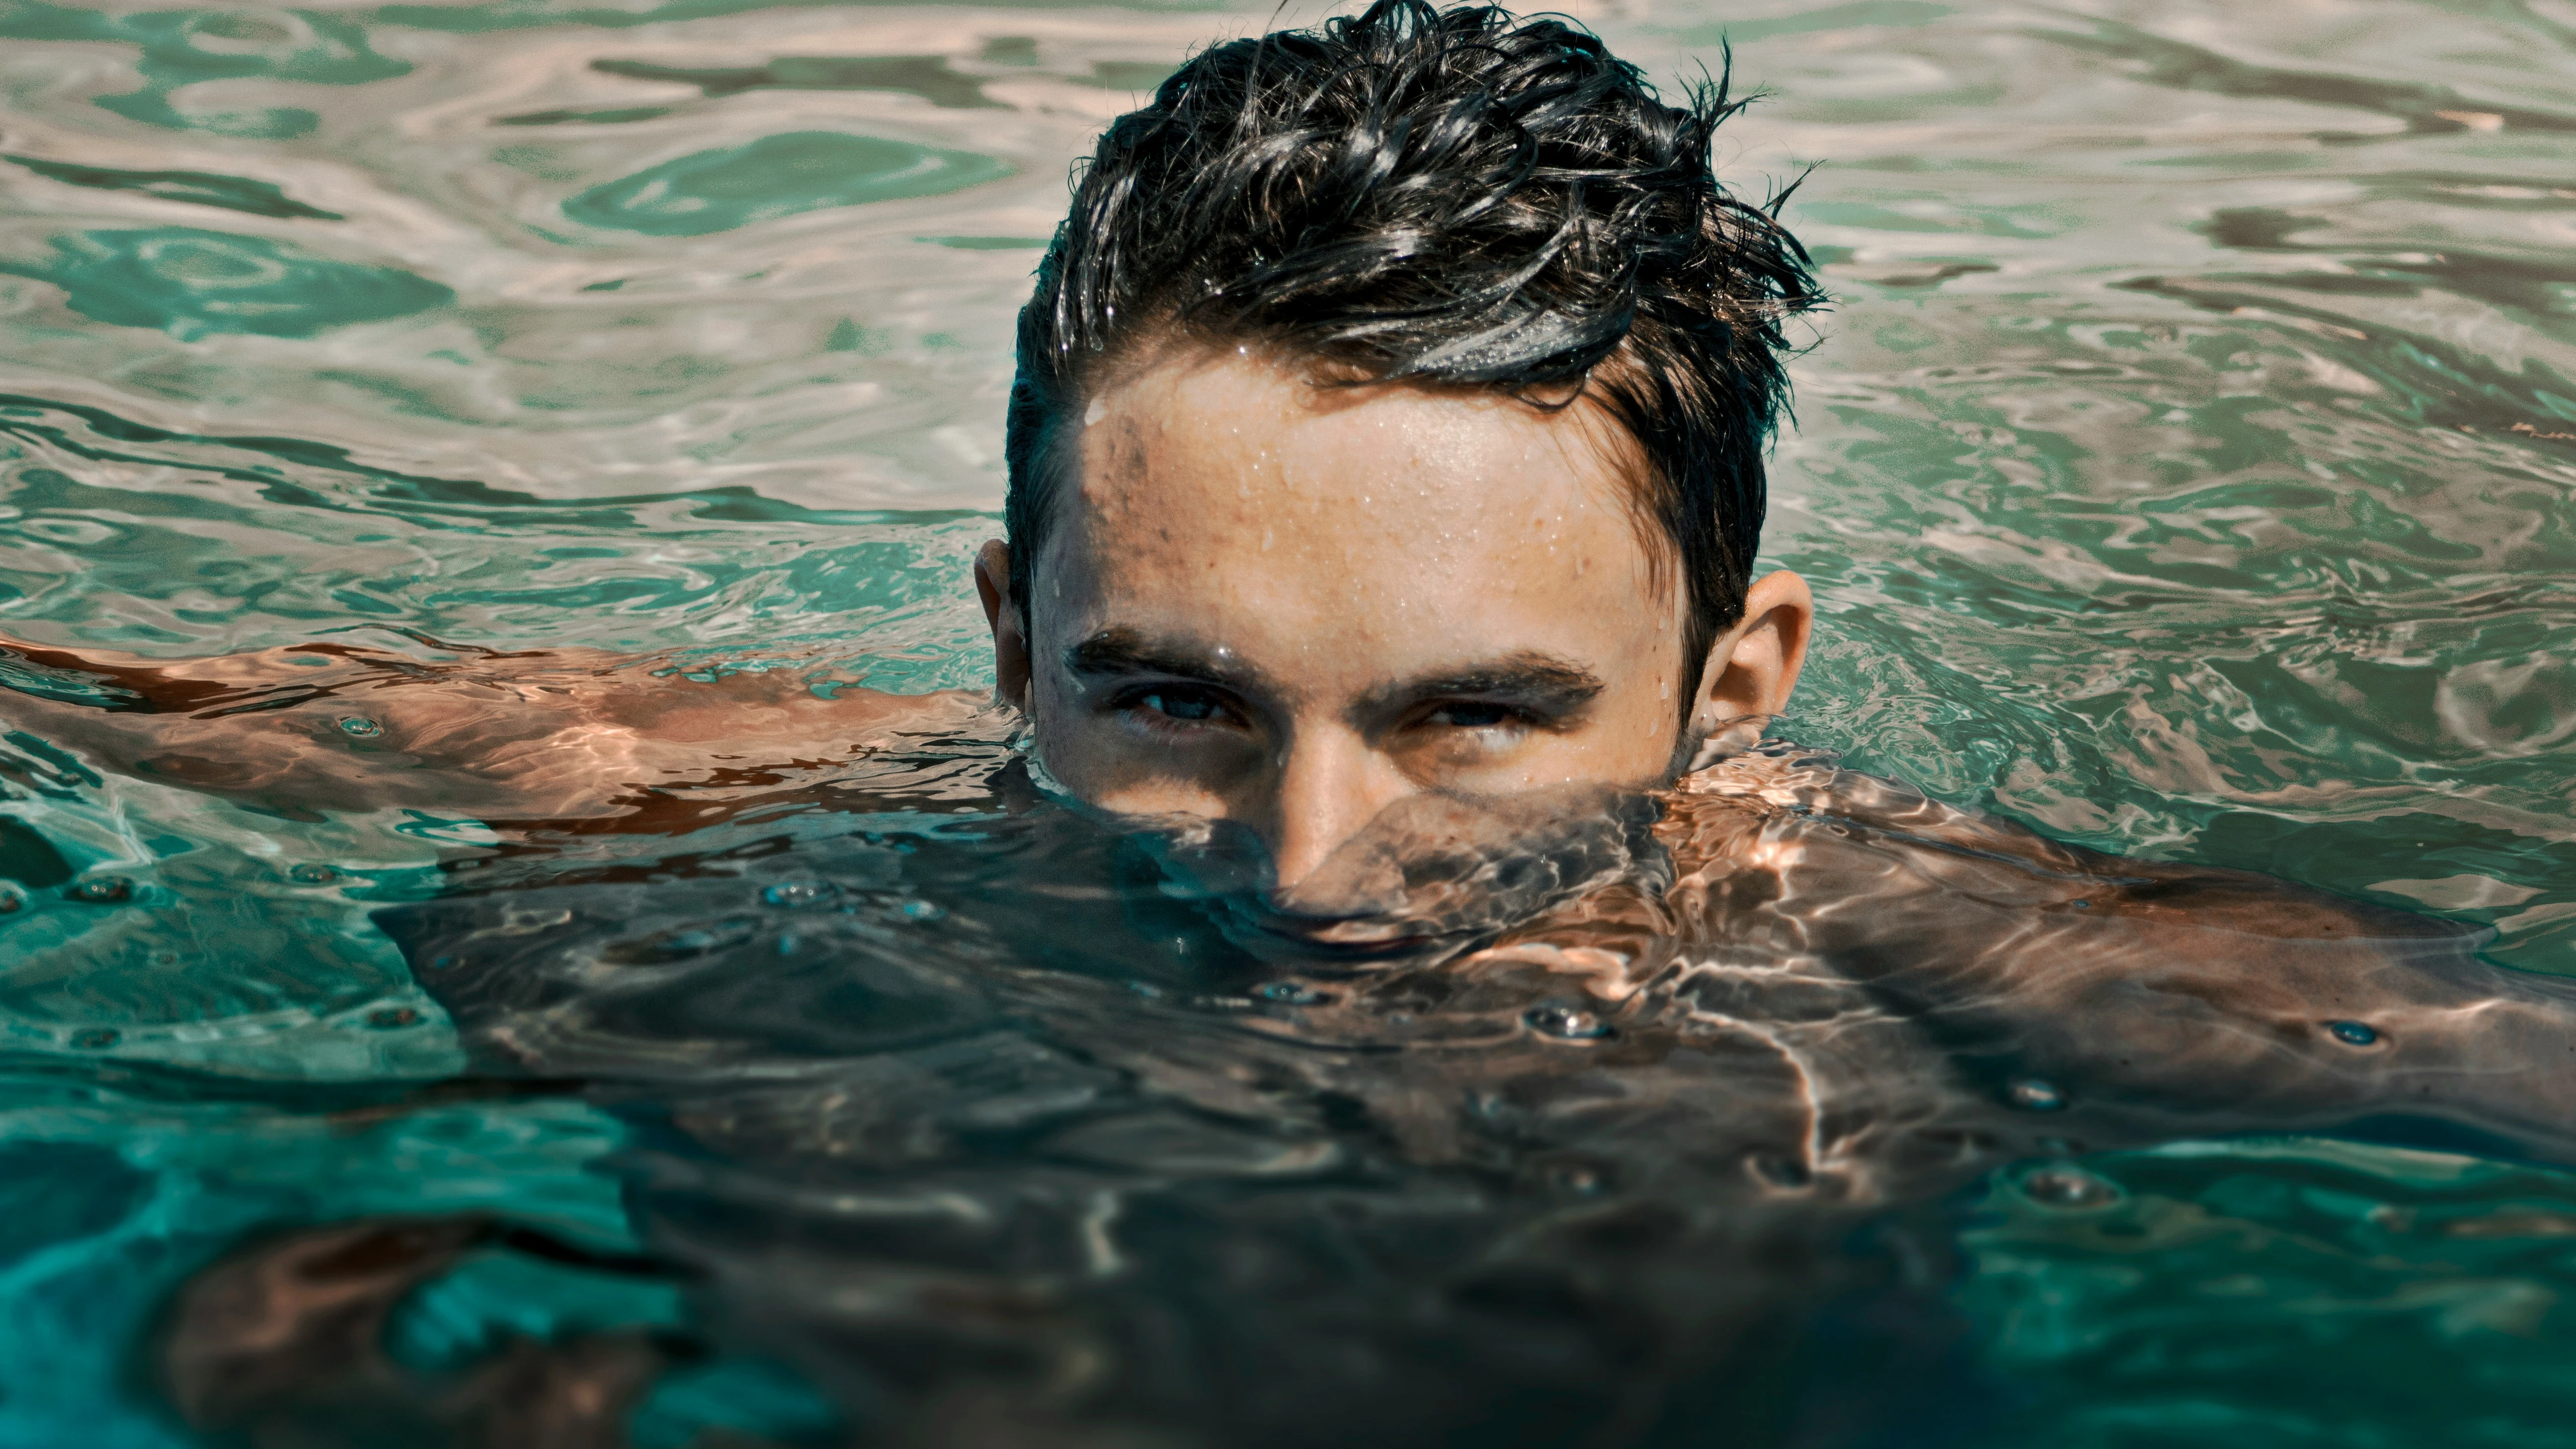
{"x": 1002, "y": 616}
{"x": 1753, "y": 666}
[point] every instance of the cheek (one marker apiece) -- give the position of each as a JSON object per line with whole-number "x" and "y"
{"x": 1631, "y": 735}
{"x": 1061, "y": 721}
{"x": 1625, "y": 745}
{"x": 1641, "y": 736}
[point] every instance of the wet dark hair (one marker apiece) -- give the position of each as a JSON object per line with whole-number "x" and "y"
{"x": 1444, "y": 196}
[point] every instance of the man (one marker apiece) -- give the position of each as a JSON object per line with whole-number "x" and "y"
{"x": 1386, "y": 476}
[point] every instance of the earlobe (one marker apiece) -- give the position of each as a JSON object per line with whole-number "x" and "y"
{"x": 1753, "y": 668}
{"x": 1002, "y": 616}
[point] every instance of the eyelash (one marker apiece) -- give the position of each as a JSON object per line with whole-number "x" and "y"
{"x": 1153, "y": 705}
{"x": 1504, "y": 714}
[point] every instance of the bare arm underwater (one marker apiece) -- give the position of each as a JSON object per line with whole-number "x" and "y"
{"x": 545, "y": 735}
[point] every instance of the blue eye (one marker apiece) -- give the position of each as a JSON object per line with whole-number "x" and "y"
{"x": 1176, "y": 705}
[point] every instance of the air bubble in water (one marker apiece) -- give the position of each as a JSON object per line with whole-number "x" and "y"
{"x": 102, "y": 890}
{"x": 1566, "y": 1023}
{"x": 310, "y": 874}
{"x": 2068, "y": 1187}
{"x": 361, "y": 727}
{"x": 1578, "y": 1177}
{"x": 2352, "y": 1033}
{"x": 681, "y": 943}
{"x": 920, "y": 911}
{"x": 794, "y": 893}
{"x": 1291, "y": 993}
{"x": 2033, "y": 1095}
{"x": 1780, "y": 1169}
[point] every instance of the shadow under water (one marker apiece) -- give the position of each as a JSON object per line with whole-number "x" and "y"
{"x": 1645, "y": 1124}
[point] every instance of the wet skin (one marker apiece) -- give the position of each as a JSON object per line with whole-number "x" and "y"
{"x": 1277, "y": 602}
{"x": 1389, "y": 635}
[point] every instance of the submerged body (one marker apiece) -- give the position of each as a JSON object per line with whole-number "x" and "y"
{"x": 1087, "y": 1166}
{"x": 1543, "y": 1117}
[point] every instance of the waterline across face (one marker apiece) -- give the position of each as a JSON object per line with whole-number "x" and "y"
{"x": 1291, "y": 605}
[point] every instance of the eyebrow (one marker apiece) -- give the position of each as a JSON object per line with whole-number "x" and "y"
{"x": 1543, "y": 681}
{"x": 1132, "y": 651}
{"x": 1538, "y": 679}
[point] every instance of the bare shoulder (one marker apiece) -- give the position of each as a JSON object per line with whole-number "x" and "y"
{"x": 2193, "y": 997}
{"x": 1799, "y": 829}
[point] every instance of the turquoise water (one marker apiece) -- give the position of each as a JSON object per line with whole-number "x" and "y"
{"x": 2188, "y": 469}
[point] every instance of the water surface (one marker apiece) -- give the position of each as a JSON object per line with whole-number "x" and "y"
{"x": 2188, "y": 469}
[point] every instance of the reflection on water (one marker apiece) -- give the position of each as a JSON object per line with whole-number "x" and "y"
{"x": 189, "y": 282}
{"x": 774, "y": 176}
{"x": 2185, "y": 471}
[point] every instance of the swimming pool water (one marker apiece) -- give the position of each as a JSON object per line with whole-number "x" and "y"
{"x": 2188, "y": 468}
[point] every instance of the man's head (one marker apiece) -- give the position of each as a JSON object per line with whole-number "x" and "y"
{"x": 1390, "y": 418}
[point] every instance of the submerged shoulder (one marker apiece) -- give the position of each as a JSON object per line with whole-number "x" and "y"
{"x": 1861, "y": 855}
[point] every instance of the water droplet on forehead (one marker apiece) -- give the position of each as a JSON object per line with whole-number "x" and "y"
{"x": 361, "y": 727}
{"x": 2353, "y": 1033}
{"x": 2033, "y": 1095}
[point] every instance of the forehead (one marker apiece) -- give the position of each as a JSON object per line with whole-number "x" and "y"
{"x": 1227, "y": 447}
{"x": 1246, "y": 497}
